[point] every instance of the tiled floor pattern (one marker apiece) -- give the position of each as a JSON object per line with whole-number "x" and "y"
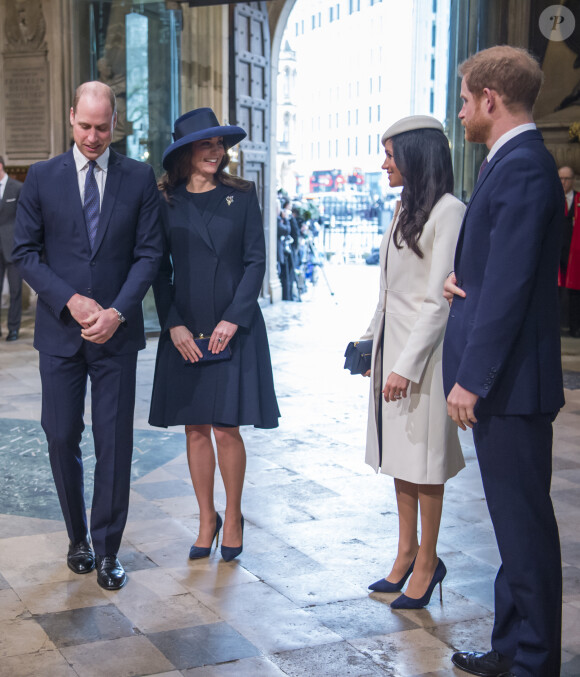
{"x": 320, "y": 526}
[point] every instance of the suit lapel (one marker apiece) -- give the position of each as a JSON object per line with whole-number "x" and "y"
{"x": 530, "y": 135}
{"x": 112, "y": 185}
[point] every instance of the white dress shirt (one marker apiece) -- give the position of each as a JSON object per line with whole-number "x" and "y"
{"x": 504, "y": 138}
{"x": 3, "y": 183}
{"x": 101, "y": 168}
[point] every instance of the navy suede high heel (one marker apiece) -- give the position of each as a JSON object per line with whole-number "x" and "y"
{"x": 198, "y": 553}
{"x": 404, "y": 602}
{"x": 228, "y": 553}
{"x": 383, "y": 585}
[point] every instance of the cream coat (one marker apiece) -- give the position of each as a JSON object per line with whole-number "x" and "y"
{"x": 419, "y": 441}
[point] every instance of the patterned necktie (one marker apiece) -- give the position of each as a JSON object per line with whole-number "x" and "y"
{"x": 92, "y": 204}
{"x": 483, "y": 166}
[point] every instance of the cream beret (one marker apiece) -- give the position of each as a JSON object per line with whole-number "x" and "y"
{"x": 410, "y": 123}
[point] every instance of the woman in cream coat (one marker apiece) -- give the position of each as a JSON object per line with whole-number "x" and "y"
{"x": 410, "y": 436}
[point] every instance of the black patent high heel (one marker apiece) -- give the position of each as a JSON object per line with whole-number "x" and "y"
{"x": 383, "y": 585}
{"x": 198, "y": 553}
{"x": 404, "y": 602}
{"x": 228, "y": 553}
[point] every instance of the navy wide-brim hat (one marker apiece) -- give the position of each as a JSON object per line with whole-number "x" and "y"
{"x": 200, "y": 123}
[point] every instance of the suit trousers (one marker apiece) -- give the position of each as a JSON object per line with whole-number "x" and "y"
{"x": 15, "y": 287}
{"x": 515, "y": 458}
{"x": 64, "y": 384}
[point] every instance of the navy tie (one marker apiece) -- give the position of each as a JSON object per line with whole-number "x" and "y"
{"x": 483, "y": 166}
{"x": 92, "y": 204}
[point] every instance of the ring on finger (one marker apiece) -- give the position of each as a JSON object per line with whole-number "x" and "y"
{"x": 220, "y": 340}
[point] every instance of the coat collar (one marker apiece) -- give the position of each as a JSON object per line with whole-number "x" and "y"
{"x": 201, "y": 221}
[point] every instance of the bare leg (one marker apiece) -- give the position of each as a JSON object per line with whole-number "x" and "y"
{"x": 201, "y": 460}
{"x": 431, "y": 505}
{"x": 407, "y": 504}
{"x": 232, "y": 462}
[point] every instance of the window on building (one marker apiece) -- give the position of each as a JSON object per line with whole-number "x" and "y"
{"x": 379, "y": 112}
{"x": 331, "y": 14}
{"x": 432, "y": 67}
{"x": 313, "y": 21}
{"x": 370, "y": 113}
{"x": 433, "y": 35}
{"x": 431, "y": 101}
{"x": 370, "y": 85}
{"x": 434, "y": 6}
{"x": 337, "y": 12}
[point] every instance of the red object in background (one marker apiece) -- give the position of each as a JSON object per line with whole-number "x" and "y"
{"x": 573, "y": 271}
{"x": 326, "y": 180}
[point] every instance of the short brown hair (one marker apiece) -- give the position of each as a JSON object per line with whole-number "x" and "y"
{"x": 511, "y": 71}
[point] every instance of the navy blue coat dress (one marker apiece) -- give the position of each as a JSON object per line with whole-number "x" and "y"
{"x": 212, "y": 270}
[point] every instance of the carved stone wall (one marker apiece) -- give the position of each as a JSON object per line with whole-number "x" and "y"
{"x": 35, "y": 46}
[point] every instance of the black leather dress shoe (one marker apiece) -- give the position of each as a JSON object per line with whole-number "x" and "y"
{"x": 80, "y": 558}
{"x": 110, "y": 572}
{"x": 490, "y": 664}
{"x": 12, "y": 336}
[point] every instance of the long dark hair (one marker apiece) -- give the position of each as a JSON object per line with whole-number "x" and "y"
{"x": 424, "y": 160}
{"x": 180, "y": 170}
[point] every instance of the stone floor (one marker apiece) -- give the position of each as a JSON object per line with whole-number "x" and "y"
{"x": 320, "y": 526}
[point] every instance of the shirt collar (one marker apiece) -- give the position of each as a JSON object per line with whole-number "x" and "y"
{"x": 81, "y": 161}
{"x": 504, "y": 138}
{"x": 4, "y": 181}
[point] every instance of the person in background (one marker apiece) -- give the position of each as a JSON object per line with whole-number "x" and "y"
{"x": 502, "y": 367}
{"x": 87, "y": 239}
{"x": 409, "y": 434}
{"x": 9, "y": 194}
{"x": 209, "y": 283}
{"x": 570, "y": 259}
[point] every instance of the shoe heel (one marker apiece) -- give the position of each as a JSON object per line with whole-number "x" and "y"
{"x": 228, "y": 553}
{"x": 441, "y": 592}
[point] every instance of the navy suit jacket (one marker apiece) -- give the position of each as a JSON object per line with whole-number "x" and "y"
{"x": 8, "y": 205}
{"x": 53, "y": 254}
{"x": 503, "y": 340}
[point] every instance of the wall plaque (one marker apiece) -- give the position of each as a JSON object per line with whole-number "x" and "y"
{"x": 26, "y": 107}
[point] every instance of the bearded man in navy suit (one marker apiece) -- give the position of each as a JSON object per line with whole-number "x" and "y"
{"x": 501, "y": 361}
{"x": 87, "y": 239}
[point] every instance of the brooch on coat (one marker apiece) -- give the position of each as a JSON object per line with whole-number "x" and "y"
{"x": 229, "y": 199}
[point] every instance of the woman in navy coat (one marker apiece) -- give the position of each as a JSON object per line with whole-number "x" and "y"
{"x": 209, "y": 283}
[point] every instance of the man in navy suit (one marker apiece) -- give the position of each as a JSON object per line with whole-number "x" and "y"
{"x": 88, "y": 241}
{"x": 9, "y": 193}
{"x": 501, "y": 361}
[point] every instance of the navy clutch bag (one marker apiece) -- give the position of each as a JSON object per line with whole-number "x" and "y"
{"x": 358, "y": 356}
{"x": 202, "y": 342}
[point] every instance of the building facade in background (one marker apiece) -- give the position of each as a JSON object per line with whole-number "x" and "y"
{"x": 360, "y": 66}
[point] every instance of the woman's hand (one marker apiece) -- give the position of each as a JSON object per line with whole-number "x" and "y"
{"x": 183, "y": 340}
{"x": 395, "y": 387}
{"x": 450, "y": 288}
{"x": 367, "y": 372}
{"x": 221, "y": 336}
